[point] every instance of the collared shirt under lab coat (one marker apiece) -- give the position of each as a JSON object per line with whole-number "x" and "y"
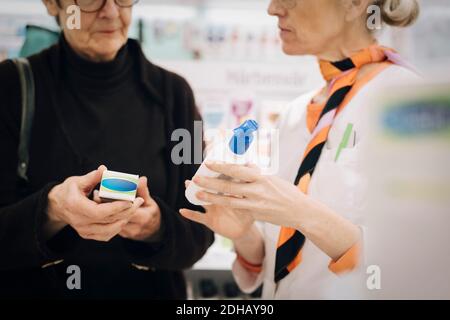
{"x": 341, "y": 185}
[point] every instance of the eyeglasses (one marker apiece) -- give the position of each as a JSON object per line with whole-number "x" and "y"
{"x": 287, "y": 4}
{"x": 90, "y": 6}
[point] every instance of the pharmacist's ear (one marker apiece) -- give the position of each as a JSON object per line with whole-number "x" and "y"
{"x": 52, "y": 6}
{"x": 355, "y": 9}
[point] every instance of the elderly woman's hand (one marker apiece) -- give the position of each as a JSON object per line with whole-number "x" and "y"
{"x": 68, "y": 204}
{"x": 265, "y": 198}
{"x": 145, "y": 221}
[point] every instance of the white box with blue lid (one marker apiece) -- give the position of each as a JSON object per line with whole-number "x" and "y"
{"x": 118, "y": 186}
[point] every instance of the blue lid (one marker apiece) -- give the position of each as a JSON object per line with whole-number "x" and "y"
{"x": 243, "y": 137}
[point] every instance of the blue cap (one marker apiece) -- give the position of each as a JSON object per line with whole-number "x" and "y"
{"x": 243, "y": 137}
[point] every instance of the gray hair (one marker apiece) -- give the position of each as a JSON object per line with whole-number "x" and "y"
{"x": 399, "y": 13}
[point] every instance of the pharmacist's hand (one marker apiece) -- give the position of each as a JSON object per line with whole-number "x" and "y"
{"x": 68, "y": 204}
{"x": 265, "y": 198}
{"x": 231, "y": 224}
{"x": 145, "y": 222}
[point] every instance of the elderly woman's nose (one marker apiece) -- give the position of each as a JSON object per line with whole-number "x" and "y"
{"x": 275, "y": 8}
{"x": 110, "y": 10}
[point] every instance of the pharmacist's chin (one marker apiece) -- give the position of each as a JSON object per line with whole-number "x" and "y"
{"x": 290, "y": 49}
{"x": 293, "y": 48}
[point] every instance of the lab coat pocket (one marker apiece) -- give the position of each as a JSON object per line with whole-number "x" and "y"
{"x": 338, "y": 181}
{"x": 346, "y": 155}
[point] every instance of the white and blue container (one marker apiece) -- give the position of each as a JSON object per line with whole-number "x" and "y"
{"x": 234, "y": 151}
{"x": 118, "y": 186}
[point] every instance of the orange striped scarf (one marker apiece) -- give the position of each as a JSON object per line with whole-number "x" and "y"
{"x": 341, "y": 77}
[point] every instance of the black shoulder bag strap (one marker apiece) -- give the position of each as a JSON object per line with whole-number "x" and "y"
{"x": 28, "y": 105}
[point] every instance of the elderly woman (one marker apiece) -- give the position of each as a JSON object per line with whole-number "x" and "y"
{"x": 99, "y": 102}
{"x": 313, "y": 209}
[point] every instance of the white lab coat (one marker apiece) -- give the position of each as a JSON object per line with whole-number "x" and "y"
{"x": 341, "y": 185}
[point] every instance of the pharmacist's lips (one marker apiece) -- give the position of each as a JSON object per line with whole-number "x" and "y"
{"x": 284, "y": 29}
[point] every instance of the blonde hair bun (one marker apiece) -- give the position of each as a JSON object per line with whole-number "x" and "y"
{"x": 399, "y": 13}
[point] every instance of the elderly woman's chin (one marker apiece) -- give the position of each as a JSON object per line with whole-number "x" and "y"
{"x": 108, "y": 43}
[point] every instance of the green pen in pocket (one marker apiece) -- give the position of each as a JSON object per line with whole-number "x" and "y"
{"x": 344, "y": 142}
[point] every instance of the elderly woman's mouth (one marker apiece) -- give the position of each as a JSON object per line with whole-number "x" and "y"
{"x": 108, "y": 31}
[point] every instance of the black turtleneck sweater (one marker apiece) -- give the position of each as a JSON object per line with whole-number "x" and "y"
{"x": 111, "y": 120}
{"x": 121, "y": 114}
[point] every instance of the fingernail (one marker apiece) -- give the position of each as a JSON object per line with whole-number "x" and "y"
{"x": 197, "y": 179}
{"x": 201, "y": 195}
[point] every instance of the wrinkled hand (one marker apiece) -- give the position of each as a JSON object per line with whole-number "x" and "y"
{"x": 145, "y": 221}
{"x": 68, "y": 204}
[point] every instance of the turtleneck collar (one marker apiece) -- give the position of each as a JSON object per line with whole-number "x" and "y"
{"x": 97, "y": 77}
